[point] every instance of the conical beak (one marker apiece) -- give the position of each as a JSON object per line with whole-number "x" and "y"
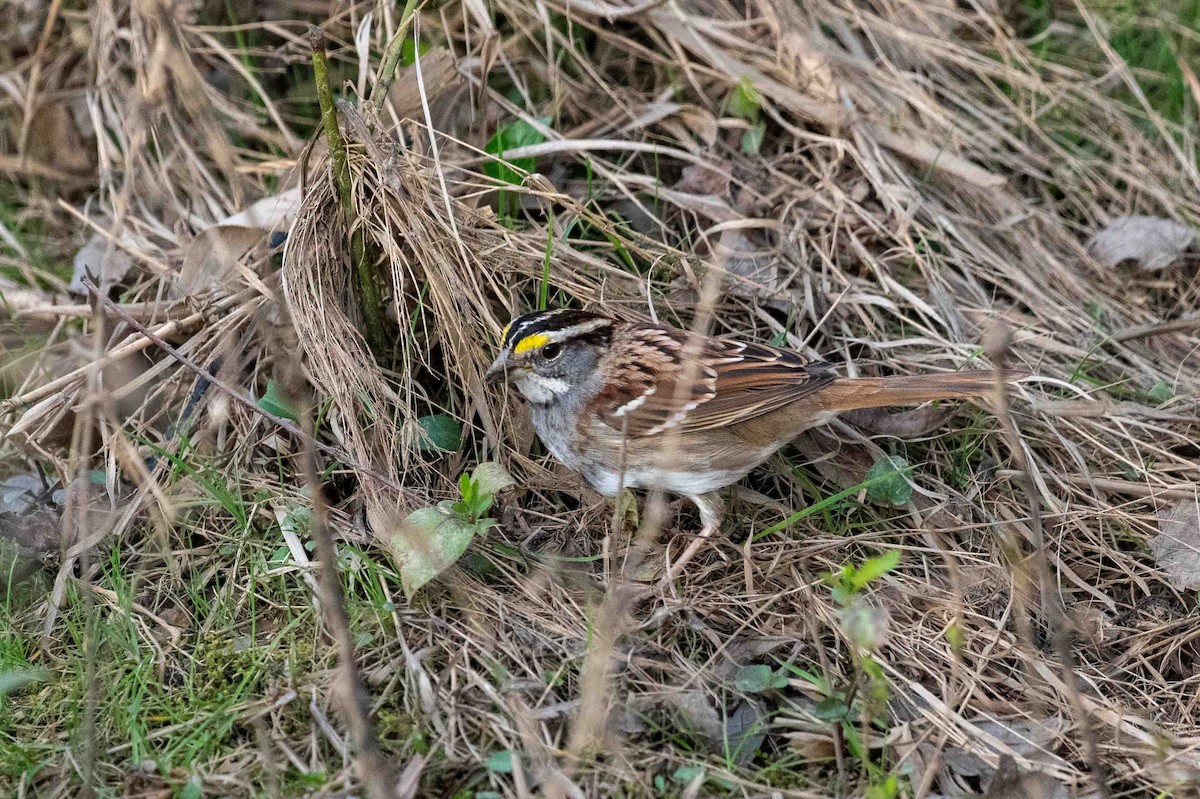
{"x": 498, "y": 369}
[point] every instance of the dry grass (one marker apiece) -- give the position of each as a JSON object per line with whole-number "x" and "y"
{"x": 921, "y": 175}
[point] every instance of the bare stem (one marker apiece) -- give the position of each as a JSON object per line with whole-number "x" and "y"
{"x": 370, "y": 298}
{"x": 391, "y": 56}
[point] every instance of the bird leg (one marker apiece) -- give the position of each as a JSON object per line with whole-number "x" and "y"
{"x": 712, "y": 511}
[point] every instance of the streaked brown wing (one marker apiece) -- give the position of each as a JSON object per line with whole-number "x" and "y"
{"x": 730, "y": 382}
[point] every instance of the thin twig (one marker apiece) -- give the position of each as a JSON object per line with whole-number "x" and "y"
{"x": 242, "y": 397}
{"x": 1157, "y": 329}
{"x": 126, "y": 348}
{"x": 352, "y": 695}
{"x": 149, "y": 310}
{"x": 1061, "y": 627}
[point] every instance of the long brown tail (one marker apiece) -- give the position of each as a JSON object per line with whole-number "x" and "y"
{"x": 849, "y": 394}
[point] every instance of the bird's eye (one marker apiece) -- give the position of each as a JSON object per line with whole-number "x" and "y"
{"x": 552, "y": 351}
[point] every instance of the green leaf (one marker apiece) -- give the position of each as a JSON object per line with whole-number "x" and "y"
{"x": 888, "y": 789}
{"x": 517, "y": 133}
{"x": 190, "y": 790}
{"x": 297, "y": 520}
{"x": 492, "y": 478}
{"x": 820, "y": 683}
{"x": 1161, "y": 392}
{"x": 15, "y": 679}
{"x": 745, "y": 102}
{"x": 753, "y": 679}
{"x": 500, "y": 762}
{"x": 429, "y": 542}
{"x": 874, "y": 568}
{"x": 475, "y": 502}
{"x": 957, "y": 639}
{"x": 409, "y": 50}
{"x": 276, "y": 404}
{"x": 686, "y": 774}
{"x": 440, "y": 432}
{"x": 752, "y": 138}
{"x": 890, "y": 480}
{"x": 832, "y": 708}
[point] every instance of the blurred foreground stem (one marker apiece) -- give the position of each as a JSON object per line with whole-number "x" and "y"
{"x": 369, "y": 296}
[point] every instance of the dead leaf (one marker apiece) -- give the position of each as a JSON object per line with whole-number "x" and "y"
{"x": 738, "y": 733}
{"x": 745, "y": 731}
{"x": 683, "y": 121}
{"x": 706, "y": 205}
{"x": 1032, "y": 739}
{"x": 913, "y": 423}
{"x": 640, "y": 216}
{"x": 1176, "y": 548}
{"x": 845, "y": 465}
{"x": 808, "y": 733}
{"x": 697, "y": 179}
{"x": 438, "y": 74}
{"x": 912, "y": 759}
{"x": 213, "y": 255}
{"x": 1092, "y": 622}
{"x": 45, "y": 428}
{"x": 408, "y": 784}
{"x": 1010, "y": 782}
{"x": 54, "y": 139}
{"x": 700, "y": 122}
{"x": 809, "y": 67}
{"x": 99, "y": 262}
{"x": 17, "y": 298}
{"x": 697, "y": 713}
{"x": 1153, "y": 242}
{"x": 29, "y": 525}
{"x": 268, "y": 214}
{"x": 754, "y": 266}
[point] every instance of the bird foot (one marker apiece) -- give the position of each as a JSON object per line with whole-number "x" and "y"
{"x": 712, "y": 510}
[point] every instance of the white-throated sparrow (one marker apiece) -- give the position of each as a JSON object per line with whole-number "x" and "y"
{"x": 637, "y": 405}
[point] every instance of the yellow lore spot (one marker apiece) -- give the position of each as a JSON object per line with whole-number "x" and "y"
{"x": 504, "y": 332}
{"x": 531, "y": 342}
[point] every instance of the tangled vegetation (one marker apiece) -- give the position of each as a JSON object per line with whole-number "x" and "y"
{"x": 268, "y": 532}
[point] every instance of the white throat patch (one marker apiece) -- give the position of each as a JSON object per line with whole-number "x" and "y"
{"x": 542, "y": 390}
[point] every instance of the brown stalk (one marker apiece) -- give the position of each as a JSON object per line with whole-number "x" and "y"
{"x": 1056, "y": 617}
{"x": 350, "y": 691}
{"x": 362, "y": 255}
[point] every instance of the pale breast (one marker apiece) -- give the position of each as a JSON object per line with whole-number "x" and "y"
{"x": 692, "y": 464}
{"x": 685, "y": 463}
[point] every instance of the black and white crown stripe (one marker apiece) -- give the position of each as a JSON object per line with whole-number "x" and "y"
{"x": 556, "y": 325}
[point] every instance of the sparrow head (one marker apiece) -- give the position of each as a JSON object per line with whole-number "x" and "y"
{"x": 548, "y": 355}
